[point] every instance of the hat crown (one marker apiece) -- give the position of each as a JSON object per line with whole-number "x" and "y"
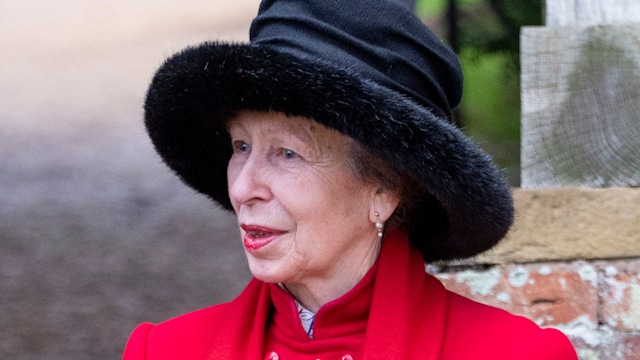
{"x": 381, "y": 40}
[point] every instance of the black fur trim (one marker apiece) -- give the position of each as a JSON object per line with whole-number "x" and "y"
{"x": 195, "y": 92}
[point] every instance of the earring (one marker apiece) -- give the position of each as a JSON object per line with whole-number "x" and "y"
{"x": 379, "y": 225}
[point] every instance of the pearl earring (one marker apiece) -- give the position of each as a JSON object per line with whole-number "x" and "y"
{"x": 379, "y": 225}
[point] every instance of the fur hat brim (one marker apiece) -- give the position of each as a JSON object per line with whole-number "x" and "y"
{"x": 194, "y": 93}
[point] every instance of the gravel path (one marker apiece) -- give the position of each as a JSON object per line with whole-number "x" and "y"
{"x": 96, "y": 235}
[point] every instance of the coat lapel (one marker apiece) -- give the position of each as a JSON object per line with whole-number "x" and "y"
{"x": 407, "y": 318}
{"x": 243, "y": 334}
{"x": 408, "y": 310}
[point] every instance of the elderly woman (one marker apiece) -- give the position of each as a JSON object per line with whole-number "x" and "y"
{"x": 328, "y": 136}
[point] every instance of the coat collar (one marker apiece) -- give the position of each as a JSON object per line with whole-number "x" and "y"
{"x": 406, "y": 302}
{"x": 345, "y": 316}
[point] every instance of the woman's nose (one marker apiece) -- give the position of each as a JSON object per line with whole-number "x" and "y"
{"x": 248, "y": 181}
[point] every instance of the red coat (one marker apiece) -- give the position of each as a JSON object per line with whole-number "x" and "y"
{"x": 411, "y": 316}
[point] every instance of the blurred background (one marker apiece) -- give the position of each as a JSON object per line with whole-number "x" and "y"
{"x": 96, "y": 235}
{"x": 486, "y": 35}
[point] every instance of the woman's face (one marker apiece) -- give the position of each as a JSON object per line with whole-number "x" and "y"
{"x": 303, "y": 214}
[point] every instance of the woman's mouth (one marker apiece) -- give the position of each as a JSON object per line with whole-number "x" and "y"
{"x": 256, "y": 237}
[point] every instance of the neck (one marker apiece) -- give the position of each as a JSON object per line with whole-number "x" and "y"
{"x": 314, "y": 293}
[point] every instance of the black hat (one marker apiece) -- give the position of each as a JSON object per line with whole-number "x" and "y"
{"x": 369, "y": 69}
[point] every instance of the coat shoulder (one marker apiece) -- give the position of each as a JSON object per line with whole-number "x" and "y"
{"x": 475, "y": 328}
{"x": 170, "y": 339}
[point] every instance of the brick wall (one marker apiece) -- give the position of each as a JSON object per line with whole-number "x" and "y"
{"x": 573, "y": 258}
{"x": 592, "y": 296}
{"x": 596, "y": 303}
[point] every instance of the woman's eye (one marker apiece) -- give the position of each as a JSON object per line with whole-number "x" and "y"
{"x": 289, "y": 154}
{"x": 241, "y": 147}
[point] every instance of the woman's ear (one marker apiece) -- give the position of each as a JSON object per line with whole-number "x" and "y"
{"x": 383, "y": 205}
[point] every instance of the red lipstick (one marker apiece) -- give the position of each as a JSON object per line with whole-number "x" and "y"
{"x": 256, "y": 237}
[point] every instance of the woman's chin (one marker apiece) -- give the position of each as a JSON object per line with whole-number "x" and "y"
{"x": 265, "y": 270}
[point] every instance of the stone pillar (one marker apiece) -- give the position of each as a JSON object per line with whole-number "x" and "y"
{"x": 581, "y": 96}
{"x": 572, "y": 258}
{"x": 563, "y": 13}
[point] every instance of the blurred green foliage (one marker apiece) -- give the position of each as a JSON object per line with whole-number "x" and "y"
{"x": 488, "y": 34}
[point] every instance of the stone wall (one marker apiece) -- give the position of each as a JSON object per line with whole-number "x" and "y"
{"x": 571, "y": 261}
{"x": 596, "y": 303}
